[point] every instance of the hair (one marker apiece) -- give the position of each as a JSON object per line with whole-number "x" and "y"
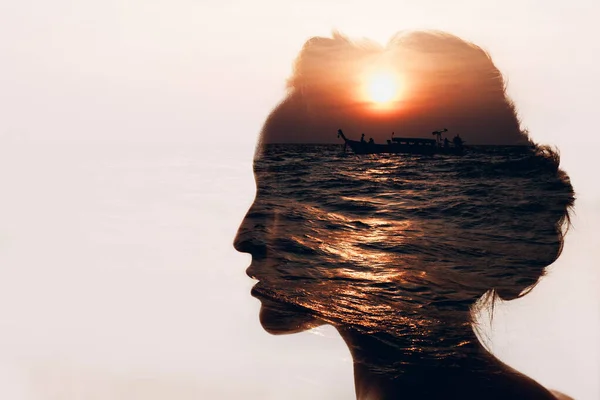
{"x": 534, "y": 218}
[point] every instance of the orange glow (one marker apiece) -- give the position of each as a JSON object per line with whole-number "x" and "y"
{"x": 418, "y": 82}
{"x": 382, "y": 89}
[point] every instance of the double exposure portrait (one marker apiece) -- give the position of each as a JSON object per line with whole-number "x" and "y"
{"x": 397, "y": 194}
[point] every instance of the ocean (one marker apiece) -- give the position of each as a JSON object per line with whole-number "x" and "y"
{"x": 402, "y": 244}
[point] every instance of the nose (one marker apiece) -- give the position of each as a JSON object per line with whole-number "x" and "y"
{"x": 250, "y": 237}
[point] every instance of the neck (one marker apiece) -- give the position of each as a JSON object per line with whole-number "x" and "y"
{"x": 413, "y": 360}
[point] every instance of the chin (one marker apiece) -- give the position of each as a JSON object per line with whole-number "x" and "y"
{"x": 280, "y": 319}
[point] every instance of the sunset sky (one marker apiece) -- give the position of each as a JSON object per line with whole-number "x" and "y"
{"x": 80, "y": 81}
{"x": 418, "y": 83}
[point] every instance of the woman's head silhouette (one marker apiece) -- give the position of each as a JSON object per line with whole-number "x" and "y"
{"x": 394, "y": 251}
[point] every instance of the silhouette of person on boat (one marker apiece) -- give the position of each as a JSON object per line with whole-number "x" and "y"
{"x": 399, "y": 280}
{"x": 458, "y": 142}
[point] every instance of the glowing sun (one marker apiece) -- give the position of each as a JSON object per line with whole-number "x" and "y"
{"x": 382, "y": 88}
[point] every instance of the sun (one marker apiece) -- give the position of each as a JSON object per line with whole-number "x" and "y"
{"x": 382, "y": 88}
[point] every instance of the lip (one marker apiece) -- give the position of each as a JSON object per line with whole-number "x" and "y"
{"x": 256, "y": 289}
{"x": 263, "y": 292}
{"x": 251, "y": 272}
{"x": 255, "y": 292}
{"x": 258, "y": 270}
{"x": 259, "y": 292}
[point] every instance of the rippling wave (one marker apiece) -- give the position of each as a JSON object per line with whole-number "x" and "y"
{"x": 397, "y": 243}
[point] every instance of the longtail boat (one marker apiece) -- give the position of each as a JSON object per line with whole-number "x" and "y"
{"x": 405, "y": 145}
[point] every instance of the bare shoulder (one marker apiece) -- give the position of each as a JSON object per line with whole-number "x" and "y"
{"x": 560, "y": 396}
{"x": 517, "y": 385}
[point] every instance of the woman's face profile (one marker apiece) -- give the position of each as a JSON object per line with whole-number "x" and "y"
{"x": 265, "y": 231}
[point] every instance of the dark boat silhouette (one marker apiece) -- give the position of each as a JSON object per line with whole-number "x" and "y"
{"x": 403, "y": 145}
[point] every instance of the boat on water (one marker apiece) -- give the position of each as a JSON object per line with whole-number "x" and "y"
{"x": 404, "y": 145}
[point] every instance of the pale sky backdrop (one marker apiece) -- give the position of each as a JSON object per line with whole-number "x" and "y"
{"x": 126, "y": 136}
